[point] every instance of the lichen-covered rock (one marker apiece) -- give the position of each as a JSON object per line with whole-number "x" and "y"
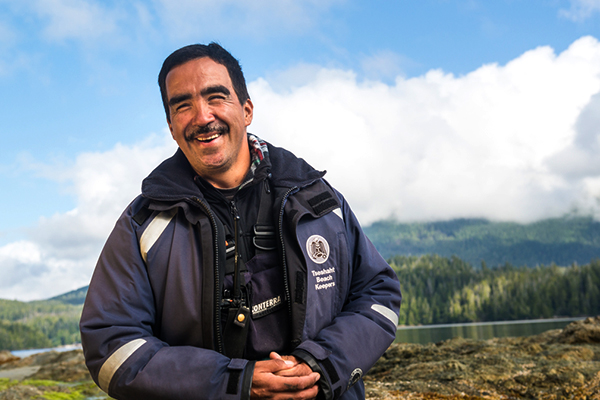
{"x": 558, "y": 364}
{"x": 579, "y": 332}
{"x": 68, "y": 366}
{"x": 7, "y": 356}
{"x": 21, "y": 392}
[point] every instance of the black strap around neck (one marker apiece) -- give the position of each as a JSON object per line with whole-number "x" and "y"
{"x": 264, "y": 231}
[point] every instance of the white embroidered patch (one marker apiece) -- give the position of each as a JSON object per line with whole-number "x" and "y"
{"x": 317, "y": 249}
{"x": 324, "y": 278}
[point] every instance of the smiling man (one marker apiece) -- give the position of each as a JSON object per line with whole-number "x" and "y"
{"x": 238, "y": 272}
{"x": 209, "y": 122}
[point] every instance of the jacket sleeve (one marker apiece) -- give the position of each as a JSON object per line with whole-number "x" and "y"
{"x": 347, "y": 348}
{"x": 122, "y": 352}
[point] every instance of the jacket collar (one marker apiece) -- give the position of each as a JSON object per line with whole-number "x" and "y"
{"x": 173, "y": 179}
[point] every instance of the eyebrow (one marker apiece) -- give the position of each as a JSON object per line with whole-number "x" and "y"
{"x": 215, "y": 89}
{"x": 178, "y": 99}
{"x": 205, "y": 92}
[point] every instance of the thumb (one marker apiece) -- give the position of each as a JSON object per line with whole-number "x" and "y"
{"x": 276, "y": 357}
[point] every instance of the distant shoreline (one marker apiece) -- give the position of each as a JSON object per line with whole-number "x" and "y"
{"x": 521, "y": 321}
{"x": 29, "y": 352}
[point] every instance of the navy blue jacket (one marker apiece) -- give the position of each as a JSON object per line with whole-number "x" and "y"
{"x": 150, "y": 323}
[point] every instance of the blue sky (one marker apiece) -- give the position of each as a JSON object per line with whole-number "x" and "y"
{"x": 420, "y": 110}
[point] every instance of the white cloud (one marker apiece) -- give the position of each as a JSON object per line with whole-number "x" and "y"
{"x": 61, "y": 251}
{"x": 508, "y": 142}
{"x": 581, "y": 10}
{"x": 441, "y": 146}
{"x": 580, "y": 159}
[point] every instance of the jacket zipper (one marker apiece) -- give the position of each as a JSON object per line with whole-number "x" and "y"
{"x": 286, "y": 283}
{"x": 217, "y": 310}
{"x": 236, "y": 256}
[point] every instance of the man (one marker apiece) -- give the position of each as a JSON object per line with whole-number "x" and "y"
{"x": 239, "y": 272}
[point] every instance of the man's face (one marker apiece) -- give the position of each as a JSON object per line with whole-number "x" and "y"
{"x": 207, "y": 120}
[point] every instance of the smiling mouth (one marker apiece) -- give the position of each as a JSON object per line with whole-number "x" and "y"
{"x": 207, "y": 133}
{"x": 208, "y": 138}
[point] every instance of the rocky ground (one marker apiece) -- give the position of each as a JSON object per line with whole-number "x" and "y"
{"x": 558, "y": 364}
{"x": 50, "y": 376}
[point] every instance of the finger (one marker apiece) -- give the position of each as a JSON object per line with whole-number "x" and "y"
{"x": 300, "y": 369}
{"x": 304, "y": 394}
{"x": 264, "y": 383}
{"x": 272, "y": 366}
{"x": 288, "y": 361}
{"x": 296, "y": 383}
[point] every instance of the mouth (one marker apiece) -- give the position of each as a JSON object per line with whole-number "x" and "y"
{"x": 207, "y": 134}
{"x": 207, "y": 139}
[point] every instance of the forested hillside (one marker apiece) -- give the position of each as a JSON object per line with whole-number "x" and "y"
{"x": 445, "y": 290}
{"x": 38, "y": 324}
{"x": 75, "y": 297}
{"x": 562, "y": 241}
{"x": 435, "y": 290}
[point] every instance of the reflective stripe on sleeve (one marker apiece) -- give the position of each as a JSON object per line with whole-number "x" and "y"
{"x": 155, "y": 228}
{"x": 386, "y": 312}
{"x": 117, "y": 359}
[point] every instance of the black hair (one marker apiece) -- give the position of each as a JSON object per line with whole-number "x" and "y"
{"x": 213, "y": 51}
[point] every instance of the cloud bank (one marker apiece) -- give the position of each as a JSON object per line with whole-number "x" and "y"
{"x": 61, "y": 251}
{"x": 502, "y": 142}
{"x": 512, "y": 142}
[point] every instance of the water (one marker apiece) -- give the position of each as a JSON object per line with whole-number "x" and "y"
{"x": 30, "y": 352}
{"x": 424, "y": 334}
{"x": 478, "y": 330}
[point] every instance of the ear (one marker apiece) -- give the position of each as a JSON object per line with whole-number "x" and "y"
{"x": 248, "y": 112}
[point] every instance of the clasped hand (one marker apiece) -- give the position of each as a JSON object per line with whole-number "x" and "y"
{"x": 283, "y": 378}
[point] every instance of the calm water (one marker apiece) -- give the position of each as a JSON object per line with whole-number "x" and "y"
{"x": 29, "y": 352}
{"x": 478, "y": 330}
{"x": 433, "y": 333}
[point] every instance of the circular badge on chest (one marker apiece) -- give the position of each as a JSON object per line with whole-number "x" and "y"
{"x": 317, "y": 249}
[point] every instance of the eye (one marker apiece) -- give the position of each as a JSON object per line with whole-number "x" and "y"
{"x": 182, "y": 106}
{"x": 216, "y": 98}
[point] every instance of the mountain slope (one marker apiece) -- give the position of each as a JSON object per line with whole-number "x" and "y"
{"x": 562, "y": 241}
{"x": 75, "y": 297}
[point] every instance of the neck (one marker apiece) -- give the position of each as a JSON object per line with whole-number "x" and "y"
{"x": 233, "y": 176}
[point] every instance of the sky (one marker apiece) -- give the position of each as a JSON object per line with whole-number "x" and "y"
{"x": 418, "y": 110}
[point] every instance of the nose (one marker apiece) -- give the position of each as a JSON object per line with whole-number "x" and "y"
{"x": 203, "y": 114}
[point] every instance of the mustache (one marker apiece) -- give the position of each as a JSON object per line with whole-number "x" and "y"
{"x": 210, "y": 128}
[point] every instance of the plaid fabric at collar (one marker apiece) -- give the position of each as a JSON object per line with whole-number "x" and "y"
{"x": 258, "y": 152}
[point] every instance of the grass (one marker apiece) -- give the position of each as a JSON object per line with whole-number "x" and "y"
{"x": 54, "y": 390}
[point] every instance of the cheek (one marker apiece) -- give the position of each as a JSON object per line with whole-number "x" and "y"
{"x": 177, "y": 128}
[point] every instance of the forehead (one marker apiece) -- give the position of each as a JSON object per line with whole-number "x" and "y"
{"x": 196, "y": 74}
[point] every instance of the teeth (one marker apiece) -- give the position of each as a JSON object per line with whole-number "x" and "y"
{"x": 201, "y": 139}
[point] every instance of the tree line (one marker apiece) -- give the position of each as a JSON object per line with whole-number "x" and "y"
{"x": 560, "y": 240}
{"x": 435, "y": 290}
{"x": 38, "y": 324}
{"x": 440, "y": 290}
